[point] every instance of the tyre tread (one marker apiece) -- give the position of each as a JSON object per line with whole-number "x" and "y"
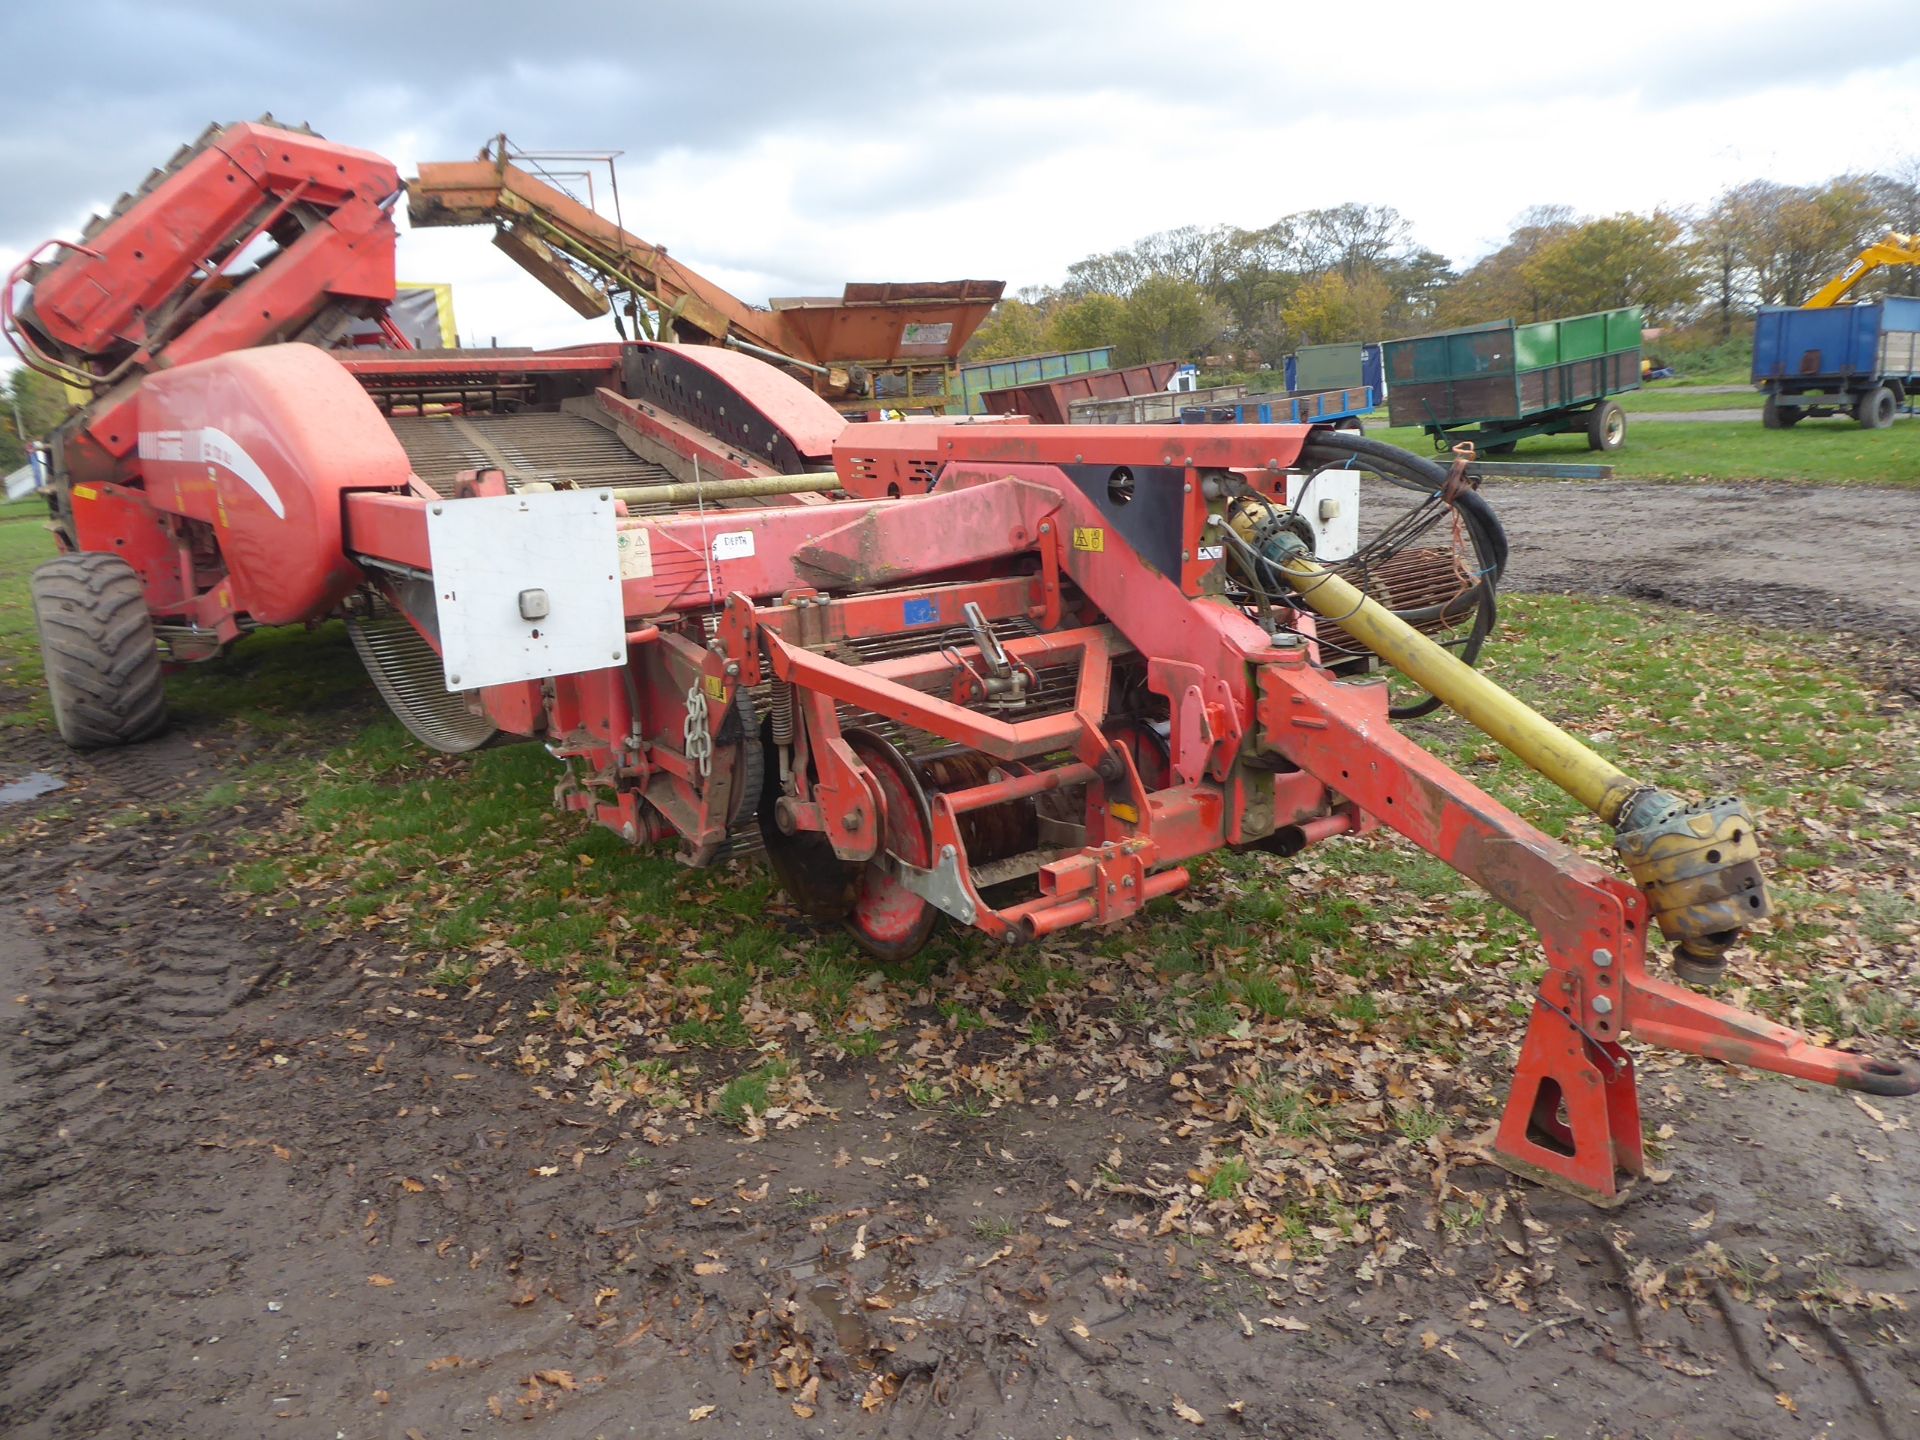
{"x": 96, "y": 639}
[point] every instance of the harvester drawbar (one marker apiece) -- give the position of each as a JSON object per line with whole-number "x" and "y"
{"x": 1018, "y": 677}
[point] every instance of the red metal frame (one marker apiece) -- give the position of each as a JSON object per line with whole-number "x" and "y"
{"x": 1232, "y": 696}
{"x": 249, "y": 480}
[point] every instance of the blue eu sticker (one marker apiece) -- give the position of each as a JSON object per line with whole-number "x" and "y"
{"x": 923, "y": 612}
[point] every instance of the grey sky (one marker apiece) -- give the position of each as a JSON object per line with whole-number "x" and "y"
{"x": 787, "y": 148}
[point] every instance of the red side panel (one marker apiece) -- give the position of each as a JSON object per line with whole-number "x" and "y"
{"x": 262, "y": 444}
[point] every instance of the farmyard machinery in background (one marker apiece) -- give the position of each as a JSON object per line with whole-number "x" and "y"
{"x": 1014, "y": 676}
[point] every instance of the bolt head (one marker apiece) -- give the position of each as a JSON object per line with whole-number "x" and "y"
{"x": 1603, "y": 958}
{"x": 852, "y": 820}
{"x": 453, "y": 679}
{"x": 733, "y": 668}
{"x": 1602, "y": 1005}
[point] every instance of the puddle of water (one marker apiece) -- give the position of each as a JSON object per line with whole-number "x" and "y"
{"x": 849, "y": 1326}
{"x": 30, "y": 787}
{"x": 850, "y": 1318}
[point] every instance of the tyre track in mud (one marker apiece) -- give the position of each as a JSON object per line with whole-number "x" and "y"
{"x": 220, "y": 1129}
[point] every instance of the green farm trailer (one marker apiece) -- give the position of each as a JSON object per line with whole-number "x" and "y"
{"x": 1499, "y": 383}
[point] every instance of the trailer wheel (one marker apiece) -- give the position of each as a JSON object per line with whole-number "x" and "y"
{"x": 96, "y": 637}
{"x": 1607, "y": 426}
{"x": 1776, "y": 416}
{"x": 1875, "y": 409}
{"x": 1504, "y": 447}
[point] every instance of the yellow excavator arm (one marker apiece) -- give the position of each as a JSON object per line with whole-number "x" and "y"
{"x": 1892, "y": 249}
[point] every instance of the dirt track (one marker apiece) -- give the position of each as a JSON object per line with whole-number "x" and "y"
{"x": 221, "y": 1137}
{"x": 1796, "y": 556}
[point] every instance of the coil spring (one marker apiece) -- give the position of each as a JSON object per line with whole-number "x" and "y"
{"x": 780, "y": 712}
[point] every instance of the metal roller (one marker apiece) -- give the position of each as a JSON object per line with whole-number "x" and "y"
{"x": 407, "y": 673}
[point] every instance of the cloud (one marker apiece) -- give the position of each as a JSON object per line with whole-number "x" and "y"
{"x": 785, "y": 149}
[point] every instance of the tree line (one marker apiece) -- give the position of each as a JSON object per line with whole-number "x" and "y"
{"x": 1357, "y": 272}
{"x": 29, "y": 403}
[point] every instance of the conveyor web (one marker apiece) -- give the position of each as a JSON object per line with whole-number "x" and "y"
{"x": 541, "y": 446}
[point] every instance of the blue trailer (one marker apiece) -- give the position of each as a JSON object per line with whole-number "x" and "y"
{"x": 1337, "y": 367}
{"x": 1341, "y": 409}
{"x": 1840, "y": 359}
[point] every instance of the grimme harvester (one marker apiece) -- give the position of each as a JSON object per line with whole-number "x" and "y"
{"x": 1018, "y": 676}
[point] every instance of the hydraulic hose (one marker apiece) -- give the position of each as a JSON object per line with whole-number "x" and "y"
{"x": 1414, "y": 472}
{"x": 1338, "y": 448}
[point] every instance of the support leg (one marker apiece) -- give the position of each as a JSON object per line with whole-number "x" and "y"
{"x": 1573, "y": 1117}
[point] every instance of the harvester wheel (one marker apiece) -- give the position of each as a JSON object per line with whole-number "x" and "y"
{"x": 1607, "y": 426}
{"x": 816, "y": 880}
{"x": 96, "y": 637}
{"x": 1776, "y": 416}
{"x": 1875, "y": 408}
{"x": 887, "y": 920}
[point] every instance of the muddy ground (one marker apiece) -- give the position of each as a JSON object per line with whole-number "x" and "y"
{"x": 256, "y": 1184}
{"x": 1818, "y": 558}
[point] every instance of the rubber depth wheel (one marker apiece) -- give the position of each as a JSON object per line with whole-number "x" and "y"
{"x": 1875, "y": 409}
{"x": 96, "y": 637}
{"x": 820, "y": 884}
{"x": 1607, "y": 426}
{"x": 887, "y": 920}
{"x": 1776, "y": 416}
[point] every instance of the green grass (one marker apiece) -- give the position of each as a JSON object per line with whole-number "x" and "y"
{"x": 24, "y": 543}
{"x": 1228, "y": 1178}
{"x": 1823, "y": 452}
{"x": 1664, "y": 397}
{"x": 750, "y": 1093}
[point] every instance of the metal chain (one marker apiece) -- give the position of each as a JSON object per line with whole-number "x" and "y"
{"x": 699, "y": 743}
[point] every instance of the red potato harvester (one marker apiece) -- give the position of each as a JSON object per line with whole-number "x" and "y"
{"x": 1014, "y": 675}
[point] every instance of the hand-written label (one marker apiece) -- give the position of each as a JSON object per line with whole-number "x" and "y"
{"x": 1089, "y": 537}
{"x": 636, "y": 554}
{"x": 734, "y": 545}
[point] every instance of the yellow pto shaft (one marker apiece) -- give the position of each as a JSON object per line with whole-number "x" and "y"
{"x": 1699, "y": 865}
{"x": 1596, "y": 783}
